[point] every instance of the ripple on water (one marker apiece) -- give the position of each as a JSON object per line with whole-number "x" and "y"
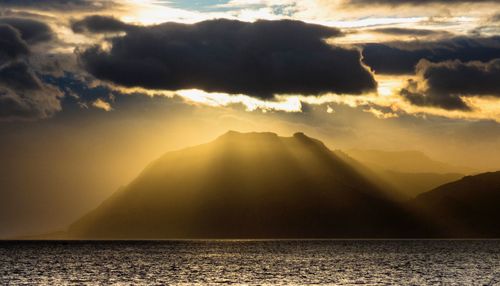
{"x": 338, "y": 262}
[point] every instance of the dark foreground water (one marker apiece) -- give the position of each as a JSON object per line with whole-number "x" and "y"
{"x": 335, "y": 262}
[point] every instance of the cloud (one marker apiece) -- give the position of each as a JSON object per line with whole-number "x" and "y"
{"x": 22, "y": 94}
{"x": 99, "y": 24}
{"x": 16, "y": 34}
{"x": 31, "y": 31}
{"x": 409, "y": 32}
{"x": 101, "y": 104}
{"x": 259, "y": 59}
{"x": 66, "y": 5}
{"x": 402, "y": 57}
{"x": 11, "y": 44}
{"x": 442, "y": 84}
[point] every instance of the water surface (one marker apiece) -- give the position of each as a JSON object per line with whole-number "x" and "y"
{"x": 334, "y": 262}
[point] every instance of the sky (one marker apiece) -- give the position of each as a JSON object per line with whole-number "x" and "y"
{"x": 92, "y": 91}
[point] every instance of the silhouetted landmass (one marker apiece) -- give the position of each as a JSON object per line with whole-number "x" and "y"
{"x": 254, "y": 185}
{"x": 260, "y": 185}
{"x": 466, "y": 208}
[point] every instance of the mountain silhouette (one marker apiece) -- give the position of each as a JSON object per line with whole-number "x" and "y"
{"x": 250, "y": 185}
{"x": 465, "y": 208}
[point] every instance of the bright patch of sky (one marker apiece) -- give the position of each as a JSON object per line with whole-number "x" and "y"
{"x": 196, "y": 5}
{"x": 282, "y": 8}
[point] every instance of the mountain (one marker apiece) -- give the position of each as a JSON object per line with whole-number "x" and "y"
{"x": 404, "y": 162}
{"x": 250, "y": 185}
{"x": 469, "y": 207}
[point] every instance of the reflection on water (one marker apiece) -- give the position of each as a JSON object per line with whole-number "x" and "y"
{"x": 374, "y": 262}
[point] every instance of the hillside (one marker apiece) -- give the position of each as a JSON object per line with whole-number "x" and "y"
{"x": 465, "y": 208}
{"x": 254, "y": 185}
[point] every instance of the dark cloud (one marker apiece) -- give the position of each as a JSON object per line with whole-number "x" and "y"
{"x": 402, "y": 57}
{"x": 429, "y": 98}
{"x": 19, "y": 77}
{"x": 11, "y": 44}
{"x": 409, "y": 32}
{"x": 31, "y": 31}
{"x": 17, "y": 34}
{"x": 22, "y": 94}
{"x": 67, "y": 5}
{"x": 259, "y": 59}
{"x": 442, "y": 84}
{"x": 99, "y": 24}
{"x": 416, "y": 2}
{"x": 495, "y": 18}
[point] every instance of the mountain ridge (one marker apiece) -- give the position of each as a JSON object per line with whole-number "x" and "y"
{"x": 264, "y": 186}
{"x": 248, "y": 185}
{"x": 468, "y": 207}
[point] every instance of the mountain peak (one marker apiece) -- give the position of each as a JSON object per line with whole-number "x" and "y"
{"x": 231, "y": 134}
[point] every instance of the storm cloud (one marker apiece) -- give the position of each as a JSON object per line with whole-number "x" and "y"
{"x": 100, "y": 24}
{"x": 11, "y": 44}
{"x": 259, "y": 59}
{"x": 23, "y": 95}
{"x": 402, "y": 57}
{"x": 442, "y": 84}
{"x": 31, "y": 31}
{"x": 66, "y": 5}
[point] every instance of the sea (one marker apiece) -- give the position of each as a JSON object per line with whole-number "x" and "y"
{"x": 251, "y": 262}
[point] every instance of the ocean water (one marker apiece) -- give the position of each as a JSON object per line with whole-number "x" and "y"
{"x": 331, "y": 262}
